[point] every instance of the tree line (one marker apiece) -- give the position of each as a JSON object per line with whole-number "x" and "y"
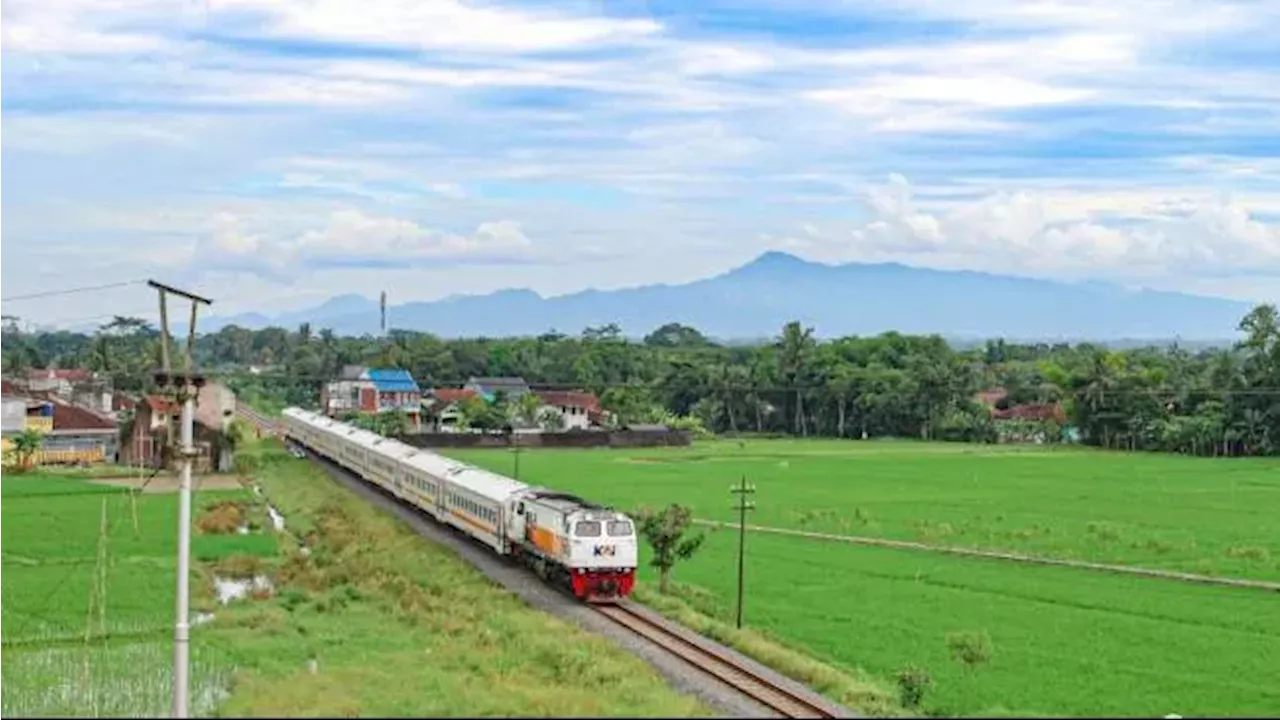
{"x": 1213, "y": 402}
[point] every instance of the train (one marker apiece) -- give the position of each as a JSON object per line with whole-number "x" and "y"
{"x": 583, "y": 547}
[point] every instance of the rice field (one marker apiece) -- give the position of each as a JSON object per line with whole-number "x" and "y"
{"x": 88, "y": 600}
{"x": 1058, "y": 641}
{"x": 376, "y": 621}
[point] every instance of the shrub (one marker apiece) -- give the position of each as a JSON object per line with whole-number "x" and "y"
{"x": 913, "y": 682}
{"x": 221, "y": 518}
{"x": 969, "y": 647}
{"x": 1249, "y": 552}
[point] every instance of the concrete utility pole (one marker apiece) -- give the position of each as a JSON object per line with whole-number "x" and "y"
{"x": 742, "y": 491}
{"x": 181, "y": 387}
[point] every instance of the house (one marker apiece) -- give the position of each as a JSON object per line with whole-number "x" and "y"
{"x": 1045, "y": 412}
{"x": 371, "y": 390}
{"x": 84, "y": 388}
{"x": 154, "y": 414}
{"x": 994, "y": 398}
{"x": 24, "y": 410}
{"x": 489, "y": 388}
{"x": 71, "y": 434}
{"x": 441, "y": 408}
{"x": 1022, "y": 423}
{"x": 60, "y": 381}
{"x": 353, "y": 391}
{"x": 579, "y": 410}
{"x": 79, "y": 435}
{"x": 397, "y": 390}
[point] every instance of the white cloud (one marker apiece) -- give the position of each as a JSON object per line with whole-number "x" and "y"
{"x": 1026, "y": 233}
{"x": 440, "y": 24}
{"x": 94, "y": 132}
{"x": 351, "y": 238}
{"x": 86, "y": 27}
{"x": 1150, "y": 126}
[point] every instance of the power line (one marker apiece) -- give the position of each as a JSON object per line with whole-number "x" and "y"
{"x": 71, "y": 291}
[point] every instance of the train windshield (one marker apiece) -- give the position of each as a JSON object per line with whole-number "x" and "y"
{"x": 619, "y": 528}
{"x": 587, "y": 528}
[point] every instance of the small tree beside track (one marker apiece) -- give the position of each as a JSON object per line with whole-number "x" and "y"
{"x": 665, "y": 531}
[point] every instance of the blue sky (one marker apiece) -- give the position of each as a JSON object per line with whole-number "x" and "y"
{"x": 275, "y": 154}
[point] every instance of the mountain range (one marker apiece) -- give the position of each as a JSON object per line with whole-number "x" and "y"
{"x": 756, "y": 299}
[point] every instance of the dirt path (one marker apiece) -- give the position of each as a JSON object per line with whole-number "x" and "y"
{"x": 996, "y": 555}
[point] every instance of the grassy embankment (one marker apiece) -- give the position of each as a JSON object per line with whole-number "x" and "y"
{"x": 371, "y": 620}
{"x": 1060, "y": 641}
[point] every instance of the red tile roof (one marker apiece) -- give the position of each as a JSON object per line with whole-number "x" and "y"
{"x": 1039, "y": 411}
{"x": 71, "y": 417}
{"x": 452, "y": 395}
{"x": 570, "y": 398}
{"x": 160, "y": 404}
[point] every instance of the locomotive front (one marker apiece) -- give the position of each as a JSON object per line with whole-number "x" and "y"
{"x": 602, "y": 554}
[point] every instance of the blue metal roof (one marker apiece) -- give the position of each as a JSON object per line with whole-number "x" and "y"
{"x": 393, "y": 380}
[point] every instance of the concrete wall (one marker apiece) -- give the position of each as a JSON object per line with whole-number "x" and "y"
{"x": 216, "y": 406}
{"x": 15, "y": 416}
{"x": 599, "y": 439}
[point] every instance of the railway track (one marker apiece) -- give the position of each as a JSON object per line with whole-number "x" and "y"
{"x": 713, "y": 661}
{"x": 260, "y": 422}
{"x": 758, "y": 685}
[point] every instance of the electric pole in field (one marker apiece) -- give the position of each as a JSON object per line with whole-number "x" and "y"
{"x": 742, "y": 491}
{"x": 181, "y": 388}
{"x": 515, "y": 438}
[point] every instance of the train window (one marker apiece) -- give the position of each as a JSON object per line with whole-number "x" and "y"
{"x": 587, "y": 528}
{"x": 619, "y": 528}
{"x": 520, "y": 509}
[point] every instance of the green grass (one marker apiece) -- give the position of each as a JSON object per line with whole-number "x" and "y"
{"x": 51, "y": 530}
{"x": 1065, "y": 641}
{"x": 398, "y": 626}
{"x": 50, "y": 544}
{"x": 1189, "y": 514}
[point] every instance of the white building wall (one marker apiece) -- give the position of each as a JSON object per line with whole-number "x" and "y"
{"x": 15, "y": 415}
{"x": 575, "y": 418}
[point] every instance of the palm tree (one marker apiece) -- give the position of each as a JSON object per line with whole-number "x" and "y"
{"x": 524, "y": 410}
{"x": 25, "y": 446}
{"x": 840, "y": 384}
{"x": 795, "y": 347}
